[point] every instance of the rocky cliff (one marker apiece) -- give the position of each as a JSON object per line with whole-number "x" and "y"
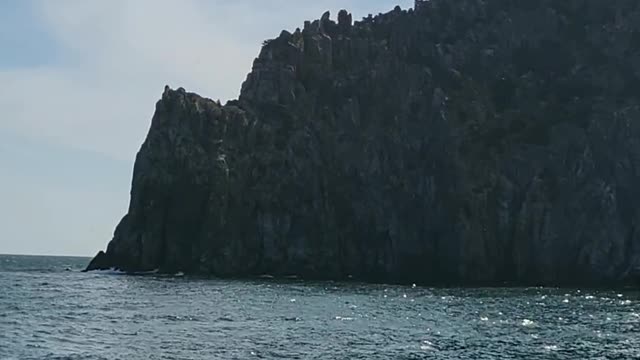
{"x": 463, "y": 142}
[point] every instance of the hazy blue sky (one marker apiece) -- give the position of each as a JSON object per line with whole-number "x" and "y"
{"x": 78, "y": 84}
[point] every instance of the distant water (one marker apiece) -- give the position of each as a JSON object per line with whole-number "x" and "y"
{"x": 50, "y": 310}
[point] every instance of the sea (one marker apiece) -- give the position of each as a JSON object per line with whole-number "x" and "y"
{"x": 49, "y": 309}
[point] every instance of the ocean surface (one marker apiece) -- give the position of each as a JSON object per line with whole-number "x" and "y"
{"x": 51, "y": 310}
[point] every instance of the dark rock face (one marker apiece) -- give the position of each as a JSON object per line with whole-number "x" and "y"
{"x": 466, "y": 142}
{"x": 100, "y": 262}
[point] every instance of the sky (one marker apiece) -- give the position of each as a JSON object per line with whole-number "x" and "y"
{"x": 78, "y": 84}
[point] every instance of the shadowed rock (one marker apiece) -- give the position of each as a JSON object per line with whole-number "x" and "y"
{"x": 100, "y": 262}
{"x": 469, "y": 142}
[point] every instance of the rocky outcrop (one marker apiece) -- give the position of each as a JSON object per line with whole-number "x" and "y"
{"x": 100, "y": 262}
{"x": 466, "y": 142}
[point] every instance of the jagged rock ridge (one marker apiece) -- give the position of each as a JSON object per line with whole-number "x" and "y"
{"x": 475, "y": 141}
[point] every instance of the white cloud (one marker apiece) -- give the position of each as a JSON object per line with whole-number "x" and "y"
{"x": 56, "y": 220}
{"x": 120, "y": 55}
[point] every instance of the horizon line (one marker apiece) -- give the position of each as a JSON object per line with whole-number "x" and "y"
{"x": 46, "y": 255}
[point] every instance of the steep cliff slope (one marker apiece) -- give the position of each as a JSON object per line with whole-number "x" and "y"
{"x": 470, "y": 141}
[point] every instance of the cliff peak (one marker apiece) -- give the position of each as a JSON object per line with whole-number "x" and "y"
{"x": 481, "y": 142}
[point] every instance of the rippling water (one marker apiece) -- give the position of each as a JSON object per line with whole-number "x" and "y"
{"x": 50, "y": 310}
